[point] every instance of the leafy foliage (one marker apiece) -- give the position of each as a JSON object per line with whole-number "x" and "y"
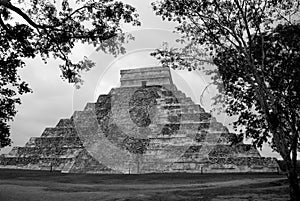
{"x": 191, "y": 56}
{"x": 232, "y": 34}
{"x": 30, "y": 28}
{"x": 255, "y": 47}
{"x": 280, "y": 73}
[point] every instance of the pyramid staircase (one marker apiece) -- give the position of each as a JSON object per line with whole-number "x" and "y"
{"x": 146, "y": 125}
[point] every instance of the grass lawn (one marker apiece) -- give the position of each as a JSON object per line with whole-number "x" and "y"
{"x": 25, "y": 185}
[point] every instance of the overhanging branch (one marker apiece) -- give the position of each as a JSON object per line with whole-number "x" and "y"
{"x": 4, "y": 25}
{"x": 9, "y": 6}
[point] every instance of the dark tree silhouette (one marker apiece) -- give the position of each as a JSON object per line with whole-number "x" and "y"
{"x": 279, "y": 119}
{"x": 257, "y": 64}
{"x": 31, "y": 28}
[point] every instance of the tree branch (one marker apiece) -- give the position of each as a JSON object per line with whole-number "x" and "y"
{"x": 8, "y": 5}
{"x": 77, "y": 10}
{"x": 4, "y": 25}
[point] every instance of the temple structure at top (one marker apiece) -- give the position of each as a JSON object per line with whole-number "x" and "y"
{"x": 146, "y": 125}
{"x": 151, "y": 76}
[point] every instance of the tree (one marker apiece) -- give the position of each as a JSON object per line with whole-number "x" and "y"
{"x": 255, "y": 47}
{"x": 280, "y": 74}
{"x": 30, "y": 28}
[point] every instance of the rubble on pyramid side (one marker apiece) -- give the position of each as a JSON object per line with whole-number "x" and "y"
{"x": 149, "y": 124}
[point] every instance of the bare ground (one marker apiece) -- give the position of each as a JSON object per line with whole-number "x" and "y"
{"x": 20, "y": 185}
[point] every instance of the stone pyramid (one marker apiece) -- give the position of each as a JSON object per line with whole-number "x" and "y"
{"x": 147, "y": 125}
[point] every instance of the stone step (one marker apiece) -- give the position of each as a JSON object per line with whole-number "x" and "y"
{"x": 159, "y": 144}
{"x": 53, "y": 151}
{"x": 240, "y": 150}
{"x": 86, "y": 114}
{"x": 173, "y": 108}
{"x": 190, "y": 125}
{"x": 162, "y": 79}
{"x": 203, "y": 116}
{"x": 156, "y": 142}
{"x": 58, "y": 141}
{"x": 174, "y": 100}
{"x": 85, "y": 119}
{"x": 104, "y": 98}
{"x": 194, "y": 125}
{"x": 244, "y": 161}
{"x": 60, "y": 132}
{"x": 18, "y": 162}
{"x": 160, "y": 136}
{"x": 96, "y": 106}
{"x": 195, "y": 136}
{"x": 210, "y": 136}
{"x": 186, "y": 116}
{"x": 63, "y": 123}
{"x": 196, "y": 153}
{"x": 31, "y": 142}
{"x": 183, "y": 107}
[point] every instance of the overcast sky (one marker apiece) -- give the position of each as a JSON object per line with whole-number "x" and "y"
{"x": 53, "y": 99}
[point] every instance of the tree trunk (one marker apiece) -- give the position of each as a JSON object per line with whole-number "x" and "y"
{"x": 291, "y": 169}
{"x": 290, "y": 159}
{"x": 294, "y": 185}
